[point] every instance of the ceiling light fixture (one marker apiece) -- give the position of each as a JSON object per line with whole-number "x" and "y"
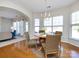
{"x": 48, "y": 7}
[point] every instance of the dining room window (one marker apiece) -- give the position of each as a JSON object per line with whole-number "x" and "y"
{"x": 48, "y": 25}
{"x": 26, "y": 26}
{"x": 75, "y": 25}
{"x": 58, "y": 23}
{"x": 37, "y": 25}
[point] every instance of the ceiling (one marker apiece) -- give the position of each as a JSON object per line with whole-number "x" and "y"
{"x": 40, "y": 5}
{"x": 9, "y": 13}
{"x": 34, "y": 6}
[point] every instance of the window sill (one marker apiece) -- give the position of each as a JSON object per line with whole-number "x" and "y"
{"x": 75, "y": 39}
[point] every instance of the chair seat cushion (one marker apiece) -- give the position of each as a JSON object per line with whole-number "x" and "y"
{"x": 48, "y": 50}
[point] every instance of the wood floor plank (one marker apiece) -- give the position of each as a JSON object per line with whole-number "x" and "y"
{"x": 20, "y": 50}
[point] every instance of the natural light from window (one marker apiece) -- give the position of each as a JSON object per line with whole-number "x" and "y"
{"x": 48, "y": 25}
{"x": 37, "y": 25}
{"x": 26, "y": 26}
{"x": 75, "y": 25}
{"x": 58, "y": 23}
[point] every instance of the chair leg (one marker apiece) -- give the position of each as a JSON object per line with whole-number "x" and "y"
{"x": 36, "y": 46}
{"x": 59, "y": 54}
{"x": 45, "y": 55}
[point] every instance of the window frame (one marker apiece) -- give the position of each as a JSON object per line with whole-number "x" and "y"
{"x": 36, "y": 25}
{"x": 74, "y": 24}
{"x": 51, "y": 26}
{"x": 59, "y": 25}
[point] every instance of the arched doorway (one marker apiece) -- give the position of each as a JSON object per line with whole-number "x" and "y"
{"x": 12, "y": 19}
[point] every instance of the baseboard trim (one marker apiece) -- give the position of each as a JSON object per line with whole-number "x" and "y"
{"x": 71, "y": 42}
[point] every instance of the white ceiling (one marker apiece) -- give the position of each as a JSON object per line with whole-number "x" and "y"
{"x": 40, "y": 5}
{"x": 8, "y": 12}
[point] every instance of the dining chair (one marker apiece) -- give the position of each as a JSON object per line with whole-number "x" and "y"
{"x": 58, "y": 32}
{"x": 30, "y": 42}
{"x": 52, "y": 45}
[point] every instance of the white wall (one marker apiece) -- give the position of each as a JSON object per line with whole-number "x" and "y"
{"x": 20, "y": 8}
{"x": 66, "y": 12}
{"x": 5, "y": 24}
{"x": 13, "y": 5}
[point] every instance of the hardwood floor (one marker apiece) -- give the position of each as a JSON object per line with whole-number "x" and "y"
{"x": 17, "y": 50}
{"x": 69, "y": 51}
{"x": 20, "y": 50}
